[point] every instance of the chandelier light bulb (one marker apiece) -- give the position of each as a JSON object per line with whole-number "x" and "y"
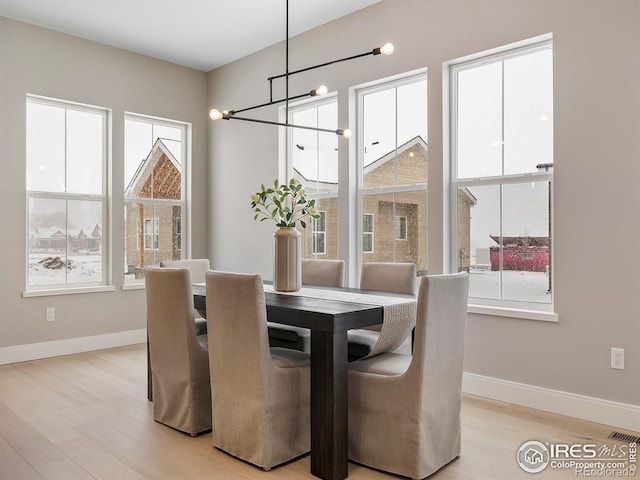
{"x": 387, "y": 49}
{"x": 321, "y": 90}
{"x": 215, "y": 114}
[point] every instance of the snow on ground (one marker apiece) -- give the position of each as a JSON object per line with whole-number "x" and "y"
{"x": 516, "y": 285}
{"x": 83, "y": 268}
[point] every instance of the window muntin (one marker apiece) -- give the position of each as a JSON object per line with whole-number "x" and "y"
{"x": 393, "y": 157}
{"x": 313, "y": 160}
{"x": 502, "y": 147}
{"x": 66, "y": 158}
{"x": 155, "y": 200}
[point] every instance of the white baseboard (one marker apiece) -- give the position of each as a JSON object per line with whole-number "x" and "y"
{"x": 593, "y": 409}
{"x": 34, "y": 351}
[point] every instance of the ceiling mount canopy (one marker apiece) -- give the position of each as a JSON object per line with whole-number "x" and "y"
{"x": 214, "y": 114}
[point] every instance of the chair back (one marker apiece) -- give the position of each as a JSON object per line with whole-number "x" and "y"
{"x": 441, "y": 323}
{"x": 170, "y": 318}
{"x": 389, "y": 277}
{"x": 197, "y": 267}
{"x": 328, "y": 273}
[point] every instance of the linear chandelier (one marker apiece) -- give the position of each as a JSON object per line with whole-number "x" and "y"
{"x": 215, "y": 114}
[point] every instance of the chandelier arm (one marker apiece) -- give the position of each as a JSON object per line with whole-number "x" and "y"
{"x": 272, "y": 102}
{"x": 306, "y": 69}
{"x": 280, "y": 124}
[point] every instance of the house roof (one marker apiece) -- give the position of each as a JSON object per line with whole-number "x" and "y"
{"x": 147, "y": 167}
{"x": 396, "y": 152}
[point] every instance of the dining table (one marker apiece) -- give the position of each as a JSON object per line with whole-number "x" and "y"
{"x": 329, "y": 313}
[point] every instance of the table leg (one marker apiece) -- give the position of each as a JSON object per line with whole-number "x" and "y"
{"x": 329, "y": 405}
{"x": 149, "y": 379}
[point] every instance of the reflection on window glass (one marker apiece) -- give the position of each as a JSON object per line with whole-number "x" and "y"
{"x": 400, "y": 228}
{"x": 318, "y": 225}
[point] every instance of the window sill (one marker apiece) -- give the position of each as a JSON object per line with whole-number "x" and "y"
{"x": 68, "y": 291}
{"x": 133, "y": 286}
{"x": 514, "y": 313}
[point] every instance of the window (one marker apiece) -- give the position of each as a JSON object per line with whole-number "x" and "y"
{"x": 367, "y": 233}
{"x": 155, "y": 200}
{"x": 502, "y": 158}
{"x": 392, "y": 158}
{"x": 400, "y": 228}
{"x": 313, "y": 161}
{"x": 318, "y": 228}
{"x": 66, "y": 158}
{"x": 151, "y": 227}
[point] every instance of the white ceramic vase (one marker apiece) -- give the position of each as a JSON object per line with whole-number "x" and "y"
{"x": 287, "y": 267}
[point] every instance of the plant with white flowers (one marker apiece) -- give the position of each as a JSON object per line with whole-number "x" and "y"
{"x": 285, "y": 204}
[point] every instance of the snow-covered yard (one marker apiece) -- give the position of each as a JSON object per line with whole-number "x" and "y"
{"x": 47, "y": 268}
{"x": 516, "y": 285}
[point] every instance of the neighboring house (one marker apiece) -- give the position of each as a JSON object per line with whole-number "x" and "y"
{"x": 153, "y": 230}
{"x": 406, "y": 227}
{"x": 54, "y": 239}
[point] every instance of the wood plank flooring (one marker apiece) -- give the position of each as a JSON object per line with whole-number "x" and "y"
{"x": 86, "y": 417}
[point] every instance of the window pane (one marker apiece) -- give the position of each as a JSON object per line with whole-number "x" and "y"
{"x": 387, "y": 248}
{"x": 150, "y": 236}
{"x": 45, "y": 147}
{"x": 479, "y": 121}
{"x": 85, "y": 151}
{"x": 367, "y": 223}
{"x": 65, "y": 242}
{"x": 379, "y": 137}
{"x": 367, "y": 242}
{"x": 528, "y": 112}
{"x": 315, "y": 154}
{"x": 525, "y": 242}
{"x": 152, "y": 168}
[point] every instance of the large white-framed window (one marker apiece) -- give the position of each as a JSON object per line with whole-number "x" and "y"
{"x": 392, "y": 170}
{"x": 155, "y": 196}
{"x": 501, "y": 177}
{"x": 313, "y": 160}
{"x": 66, "y": 188}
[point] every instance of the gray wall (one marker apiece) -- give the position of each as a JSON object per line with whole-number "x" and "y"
{"x": 38, "y": 61}
{"x": 597, "y": 167}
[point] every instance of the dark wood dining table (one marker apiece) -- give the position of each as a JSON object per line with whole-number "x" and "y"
{"x": 328, "y": 321}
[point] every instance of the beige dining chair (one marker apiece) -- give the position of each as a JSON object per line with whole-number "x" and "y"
{"x": 179, "y": 358}
{"x": 260, "y": 395}
{"x": 197, "y": 268}
{"x": 404, "y": 411}
{"x": 383, "y": 277}
{"x": 327, "y": 273}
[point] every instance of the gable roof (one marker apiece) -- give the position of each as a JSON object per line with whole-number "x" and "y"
{"x": 396, "y": 152}
{"x": 151, "y": 163}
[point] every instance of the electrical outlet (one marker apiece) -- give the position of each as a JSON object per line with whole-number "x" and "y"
{"x": 51, "y": 314}
{"x": 617, "y": 358}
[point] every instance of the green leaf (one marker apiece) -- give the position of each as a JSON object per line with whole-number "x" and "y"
{"x": 304, "y": 225}
{"x": 275, "y": 183}
{"x": 255, "y": 217}
{"x": 288, "y": 216}
{"x": 312, "y": 203}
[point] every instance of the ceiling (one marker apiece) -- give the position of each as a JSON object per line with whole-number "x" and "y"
{"x": 202, "y": 34}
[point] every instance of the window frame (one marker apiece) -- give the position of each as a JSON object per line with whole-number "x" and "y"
{"x": 184, "y": 203}
{"x": 500, "y": 307}
{"x": 103, "y": 198}
{"x": 399, "y": 188}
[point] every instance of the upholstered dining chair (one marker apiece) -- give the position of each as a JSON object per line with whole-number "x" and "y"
{"x": 404, "y": 411}
{"x": 197, "y": 268}
{"x": 260, "y": 395}
{"x": 179, "y": 358}
{"x": 327, "y": 273}
{"x": 384, "y": 277}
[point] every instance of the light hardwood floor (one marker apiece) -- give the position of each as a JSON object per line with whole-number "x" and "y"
{"x": 85, "y": 416}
